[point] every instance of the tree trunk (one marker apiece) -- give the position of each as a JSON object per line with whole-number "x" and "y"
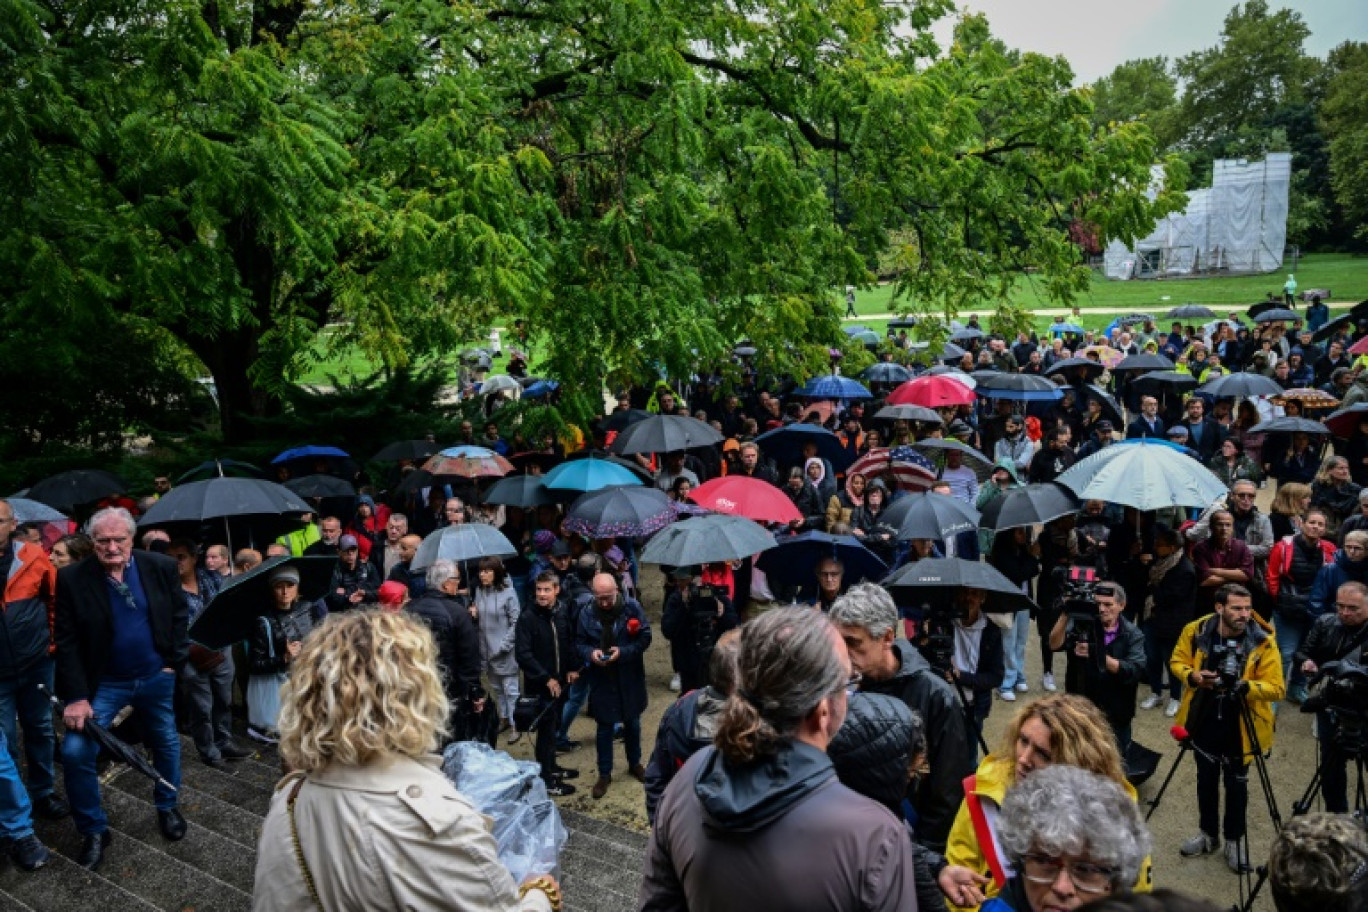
{"x": 229, "y": 356}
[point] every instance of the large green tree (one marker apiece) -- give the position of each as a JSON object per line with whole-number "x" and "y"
{"x": 644, "y": 182}
{"x": 1345, "y": 114}
{"x": 1144, "y": 89}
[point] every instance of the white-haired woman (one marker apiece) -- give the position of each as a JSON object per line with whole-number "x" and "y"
{"x": 1072, "y": 837}
{"x": 367, "y": 820}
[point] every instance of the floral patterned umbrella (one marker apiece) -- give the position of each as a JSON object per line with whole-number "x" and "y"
{"x": 468, "y": 462}
{"x": 624, "y": 512}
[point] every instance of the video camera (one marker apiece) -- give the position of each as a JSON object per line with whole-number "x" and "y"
{"x": 1344, "y": 695}
{"x": 702, "y": 604}
{"x": 1228, "y": 661}
{"x": 936, "y": 634}
{"x": 1078, "y": 600}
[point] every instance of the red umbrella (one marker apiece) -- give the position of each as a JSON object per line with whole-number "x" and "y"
{"x": 932, "y": 391}
{"x": 1360, "y": 347}
{"x": 740, "y": 495}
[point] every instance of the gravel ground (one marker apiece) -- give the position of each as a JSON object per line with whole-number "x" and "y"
{"x": 1290, "y": 767}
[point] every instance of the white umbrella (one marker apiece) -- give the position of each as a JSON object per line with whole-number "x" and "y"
{"x": 500, "y": 383}
{"x": 1146, "y": 475}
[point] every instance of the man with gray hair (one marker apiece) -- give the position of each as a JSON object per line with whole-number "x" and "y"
{"x": 868, "y": 620}
{"x": 734, "y": 829}
{"x": 447, "y": 614}
{"x": 121, "y": 640}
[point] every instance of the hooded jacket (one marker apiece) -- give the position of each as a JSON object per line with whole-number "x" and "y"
{"x": 1331, "y": 577}
{"x": 27, "y": 616}
{"x": 1263, "y": 670}
{"x": 950, "y": 753}
{"x": 990, "y": 492}
{"x": 779, "y": 833}
{"x": 685, "y": 729}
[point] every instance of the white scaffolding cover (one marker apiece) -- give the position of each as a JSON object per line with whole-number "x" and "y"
{"x": 1238, "y": 225}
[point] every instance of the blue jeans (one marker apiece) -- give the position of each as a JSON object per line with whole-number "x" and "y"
{"x": 1158, "y": 651}
{"x": 631, "y": 743}
{"x": 1290, "y": 632}
{"x": 574, "y": 702}
{"x": 20, "y": 696}
{"x": 1014, "y": 650}
{"x": 16, "y": 813}
{"x": 151, "y": 698}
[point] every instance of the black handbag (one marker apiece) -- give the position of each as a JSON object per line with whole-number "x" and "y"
{"x": 527, "y": 712}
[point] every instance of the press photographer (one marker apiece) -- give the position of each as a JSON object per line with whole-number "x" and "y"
{"x": 695, "y": 616}
{"x": 1105, "y": 652}
{"x": 1232, "y": 673}
{"x": 1333, "y": 649}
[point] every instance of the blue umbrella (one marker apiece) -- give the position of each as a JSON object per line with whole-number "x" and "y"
{"x": 1060, "y": 328}
{"x": 588, "y": 475}
{"x": 886, "y": 372}
{"x": 785, "y": 445}
{"x": 796, "y": 557}
{"x": 853, "y": 329}
{"x": 541, "y": 388}
{"x": 310, "y": 452}
{"x": 833, "y": 386}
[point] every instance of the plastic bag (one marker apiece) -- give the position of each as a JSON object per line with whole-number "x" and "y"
{"x": 527, "y": 823}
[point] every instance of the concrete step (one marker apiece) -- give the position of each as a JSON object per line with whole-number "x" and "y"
{"x": 64, "y": 886}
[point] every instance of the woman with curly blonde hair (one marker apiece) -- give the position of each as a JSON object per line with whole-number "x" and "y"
{"x": 367, "y": 820}
{"x": 1320, "y": 862}
{"x": 1056, "y": 729}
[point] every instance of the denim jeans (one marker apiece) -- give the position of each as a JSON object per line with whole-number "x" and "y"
{"x": 1211, "y": 773}
{"x": 151, "y": 698}
{"x": 1014, "y": 640}
{"x": 574, "y": 702}
{"x": 631, "y": 743}
{"x": 20, "y": 696}
{"x": 16, "y": 813}
{"x": 1158, "y": 651}
{"x": 1290, "y": 632}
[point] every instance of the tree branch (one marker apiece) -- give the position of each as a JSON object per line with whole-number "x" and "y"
{"x": 814, "y": 136}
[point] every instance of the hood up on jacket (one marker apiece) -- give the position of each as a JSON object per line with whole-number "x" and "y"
{"x": 747, "y": 797}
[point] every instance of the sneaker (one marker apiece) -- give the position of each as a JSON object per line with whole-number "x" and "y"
{"x": 559, "y": 789}
{"x": 1048, "y": 682}
{"x": 674, "y": 683}
{"x": 1151, "y": 701}
{"x": 1022, "y": 686}
{"x": 28, "y": 853}
{"x": 1201, "y": 844}
{"x": 1237, "y": 858}
{"x": 265, "y": 736}
{"x": 1008, "y": 695}
{"x": 1172, "y": 709}
{"x": 565, "y": 773}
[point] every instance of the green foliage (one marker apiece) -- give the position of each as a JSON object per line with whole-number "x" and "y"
{"x": 1345, "y": 113}
{"x": 1144, "y": 89}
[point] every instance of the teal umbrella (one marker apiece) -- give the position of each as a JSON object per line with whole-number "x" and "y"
{"x": 588, "y": 475}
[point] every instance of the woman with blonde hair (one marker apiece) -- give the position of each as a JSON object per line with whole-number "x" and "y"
{"x": 1056, "y": 729}
{"x": 1334, "y": 492}
{"x": 367, "y": 820}
{"x": 1288, "y": 506}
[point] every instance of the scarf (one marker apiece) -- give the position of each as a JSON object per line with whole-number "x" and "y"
{"x": 1157, "y": 571}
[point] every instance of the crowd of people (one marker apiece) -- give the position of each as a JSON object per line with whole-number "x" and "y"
{"x": 812, "y": 712}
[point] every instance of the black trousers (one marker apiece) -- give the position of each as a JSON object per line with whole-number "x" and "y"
{"x": 545, "y": 747}
{"x": 1212, "y": 770}
{"x": 1333, "y": 767}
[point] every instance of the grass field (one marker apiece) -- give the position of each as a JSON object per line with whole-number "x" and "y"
{"x": 1346, "y": 276}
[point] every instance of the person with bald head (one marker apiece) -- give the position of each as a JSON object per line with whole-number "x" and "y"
{"x": 611, "y": 639}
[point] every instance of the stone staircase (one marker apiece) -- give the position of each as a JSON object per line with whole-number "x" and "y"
{"x": 211, "y": 870}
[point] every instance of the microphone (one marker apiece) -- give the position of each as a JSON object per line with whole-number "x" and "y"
{"x": 1179, "y": 733}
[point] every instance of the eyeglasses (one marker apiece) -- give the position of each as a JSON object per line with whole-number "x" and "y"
{"x": 1086, "y": 876}
{"x": 1243, "y": 494}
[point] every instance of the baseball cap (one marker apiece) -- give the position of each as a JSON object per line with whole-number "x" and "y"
{"x": 392, "y": 594}
{"x": 347, "y": 543}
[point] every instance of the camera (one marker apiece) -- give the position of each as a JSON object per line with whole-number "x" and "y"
{"x": 936, "y": 635}
{"x": 1078, "y": 600}
{"x": 1228, "y": 661}
{"x": 1344, "y": 695}
{"x": 702, "y": 604}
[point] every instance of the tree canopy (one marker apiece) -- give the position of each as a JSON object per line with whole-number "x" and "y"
{"x": 644, "y": 183}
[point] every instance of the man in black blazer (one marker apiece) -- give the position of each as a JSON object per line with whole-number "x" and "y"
{"x": 121, "y": 640}
{"x": 1148, "y": 424}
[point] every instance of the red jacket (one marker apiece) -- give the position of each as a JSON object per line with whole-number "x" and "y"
{"x": 1280, "y": 561}
{"x": 27, "y": 616}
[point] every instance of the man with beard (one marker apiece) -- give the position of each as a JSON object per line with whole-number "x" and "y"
{"x": 354, "y": 582}
{"x": 545, "y": 654}
{"x": 1053, "y": 459}
{"x": 1221, "y": 559}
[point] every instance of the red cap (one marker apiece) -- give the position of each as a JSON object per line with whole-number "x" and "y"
{"x": 393, "y": 594}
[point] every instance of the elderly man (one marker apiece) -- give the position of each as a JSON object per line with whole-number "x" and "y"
{"x": 1148, "y": 424}
{"x": 612, "y": 638}
{"x": 389, "y": 552}
{"x": 121, "y": 640}
{"x": 330, "y": 531}
{"x": 447, "y": 614}
{"x": 735, "y": 827}
{"x": 830, "y": 575}
{"x": 402, "y": 571}
{"x": 868, "y": 620}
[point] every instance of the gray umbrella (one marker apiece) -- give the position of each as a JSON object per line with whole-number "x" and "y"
{"x": 465, "y": 542}
{"x": 1146, "y": 475}
{"x": 31, "y": 511}
{"x": 707, "y": 539}
{"x": 930, "y": 515}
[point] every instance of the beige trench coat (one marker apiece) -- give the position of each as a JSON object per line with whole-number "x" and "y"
{"x": 391, "y": 835}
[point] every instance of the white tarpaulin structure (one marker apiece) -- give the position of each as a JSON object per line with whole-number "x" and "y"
{"x": 1239, "y": 225}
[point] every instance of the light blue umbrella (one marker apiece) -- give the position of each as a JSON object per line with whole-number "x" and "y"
{"x": 1146, "y": 475}
{"x": 588, "y": 475}
{"x": 833, "y": 386}
{"x": 707, "y": 539}
{"x": 31, "y": 511}
{"x": 1058, "y": 328}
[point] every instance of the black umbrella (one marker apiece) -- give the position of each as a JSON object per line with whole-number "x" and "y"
{"x": 795, "y": 559}
{"x": 1132, "y": 319}
{"x": 230, "y": 616}
{"x": 1190, "y": 312}
{"x": 930, "y": 515}
{"x": 885, "y": 372}
{"x": 902, "y": 323}
{"x": 665, "y": 434}
{"x": 1031, "y": 505}
{"x": 1289, "y": 425}
{"x": 321, "y": 486}
{"x": 1144, "y": 361}
{"x": 621, "y": 512}
{"x": 1275, "y": 314}
{"x": 1018, "y": 387}
{"x": 1342, "y": 323}
{"x": 1164, "y": 381}
{"x": 940, "y": 577}
{"x": 949, "y": 443}
{"x": 909, "y": 413}
{"x": 415, "y": 481}
{"x": 221, "y": 468}
{"x": 1110, "y": 410}
{"x": 117, "y": 749}
{"x": 1240, "y": 384}
{"x": 785, "y": 445}
{"x": 464, "y": 542}
{"x": 621, "y": 420}
{"x": 66, "y": 491}
{"x": 950, "y": 352}
{"x": 520, "y": 491}
{"x": 1092, "y": 369}
{"x": 407, "y": 449}
{"x": 260, "y": 508}
{"x": 707, "y": 539}
{"x": 968, "y": 334}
